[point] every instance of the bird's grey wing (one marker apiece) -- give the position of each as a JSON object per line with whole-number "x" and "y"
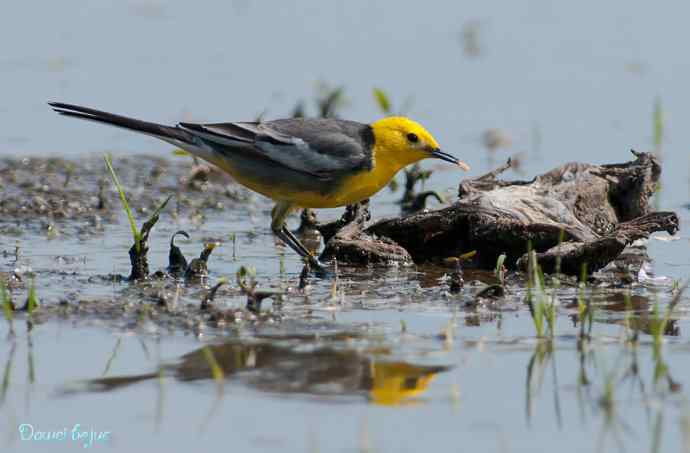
{"x": 321, "y": 148}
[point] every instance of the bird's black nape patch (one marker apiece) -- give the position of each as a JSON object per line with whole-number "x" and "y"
{"x": 368, "y": 138}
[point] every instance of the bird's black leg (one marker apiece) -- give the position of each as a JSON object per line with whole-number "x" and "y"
{"x": 280, "y": 229}
{"x": 287, "y": 236}
{"x": 291, "y": 241}
{"x": 304, "y": 252}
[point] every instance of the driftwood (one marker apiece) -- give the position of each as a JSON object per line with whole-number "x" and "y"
{"x": 576, "y": 214}
{"x": 348, "y": 243}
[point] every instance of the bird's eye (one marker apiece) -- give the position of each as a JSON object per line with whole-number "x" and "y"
{"x": 412, "y": 137}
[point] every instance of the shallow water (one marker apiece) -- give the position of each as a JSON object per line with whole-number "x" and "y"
{"x": 393, "y": 362}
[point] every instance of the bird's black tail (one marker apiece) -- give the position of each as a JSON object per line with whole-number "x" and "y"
{"x": 170, "y": 134}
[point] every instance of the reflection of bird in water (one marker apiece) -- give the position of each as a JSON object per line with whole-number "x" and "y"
{"x": 395, "y": 382}
{"x": 322, "y": 371}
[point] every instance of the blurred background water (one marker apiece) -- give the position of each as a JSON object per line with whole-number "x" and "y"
{"x": 579, "y": 79}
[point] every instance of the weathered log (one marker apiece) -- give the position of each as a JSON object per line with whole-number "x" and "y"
{"x": 599, "y": 252}
{"x": 592, "y": 211}
{"x": 351, "y": 245}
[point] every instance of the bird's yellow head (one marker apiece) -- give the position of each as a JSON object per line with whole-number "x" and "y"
{"x": 401, "y": 141}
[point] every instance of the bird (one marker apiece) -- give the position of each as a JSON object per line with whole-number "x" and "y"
{"x": 296, "y": 162}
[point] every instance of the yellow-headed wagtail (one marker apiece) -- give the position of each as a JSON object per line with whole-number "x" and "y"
{"x": 297, "y": 162}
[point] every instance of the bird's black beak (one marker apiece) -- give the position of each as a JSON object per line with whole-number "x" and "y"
{"x": 438, "y": 154}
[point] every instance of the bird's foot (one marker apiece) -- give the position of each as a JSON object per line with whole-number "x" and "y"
{"x": 319, "y": 269}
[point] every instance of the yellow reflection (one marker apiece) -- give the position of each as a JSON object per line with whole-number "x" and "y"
{"x": 396, "y": 383}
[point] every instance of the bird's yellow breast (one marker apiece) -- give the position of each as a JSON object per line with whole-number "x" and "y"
{"x": 353, "y": 188}
{"x": 348, "y": 189}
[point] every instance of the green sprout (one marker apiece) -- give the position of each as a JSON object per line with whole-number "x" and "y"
{"x": 542, "y": 307}
{"x": 216, "y": 370}
{"x": 137, "y": 234}
{"x": 32, "y": 300}
{"x": 113, "y": 354}
{"x": 499, "y": 272}
{"x": 658, "y": 119}
{"x": 6, "y": 300}
{"x": 233, "y": 238}
{"x": 632, "y": 334}
{"x": 585, "y": 309}
{"x": 246, "y": 278}
{"x": 7, "y": 375}
{"x": 121, "y": 190}
{"x": 382, "y": 100}
{"x": 659, "y": 322}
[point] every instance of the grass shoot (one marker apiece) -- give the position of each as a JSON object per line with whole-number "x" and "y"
{"x": 138, "y": 235}
{"x": 121, "y": 191}
{"x": 216, "y": 370}
{"x": 32, "y": 299}
{"x": 542, "y": 306}
{"x": 500, "y": 270}
{"x": 7, "y": 306}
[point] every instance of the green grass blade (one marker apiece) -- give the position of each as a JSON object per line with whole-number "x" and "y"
{"x": 233, "y": 238}
{"x": 7, "y": 309}
{"x": 658, "y": 123}
{"x": 550, "y": 310}
{"x": 7, "y": 375}
{"x": 216, "y": 370}
{"x": 672, "y": 305}
{"x": 539, "y": 318}
{"x": 382, "y": 100}
{"x": 539, "y": 277}
{"x": 499, "y": 268}
{"x": 32, "y": 300}
{"x": 162, "y": 206}
{"x": 113, "y": 354}
{"x": 132, "y": 223}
